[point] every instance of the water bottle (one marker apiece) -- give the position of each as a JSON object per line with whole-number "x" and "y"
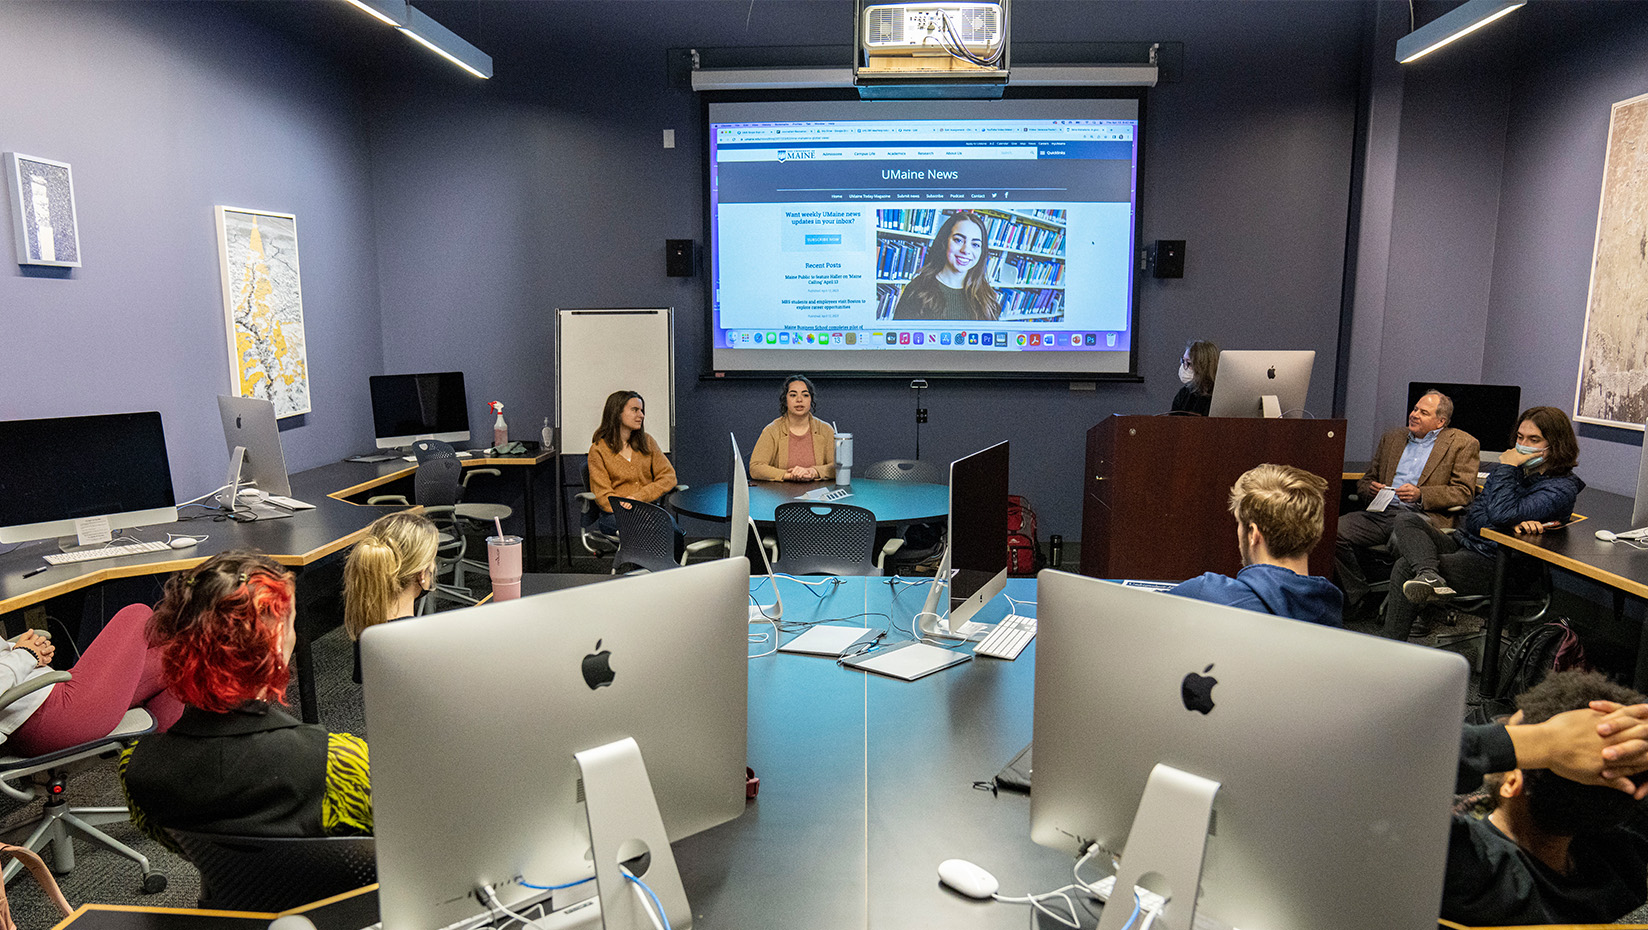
{"x": 1055, "y": 551}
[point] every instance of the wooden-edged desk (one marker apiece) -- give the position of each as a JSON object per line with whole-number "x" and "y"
{"x": 1620, "y": 566}
{"x": 349, "y": 911}
{"x": 892, "y": 502}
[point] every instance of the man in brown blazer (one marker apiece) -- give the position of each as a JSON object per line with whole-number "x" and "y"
{"x": 1430, "y": 467}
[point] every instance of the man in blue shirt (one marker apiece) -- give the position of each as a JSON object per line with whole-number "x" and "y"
{"x": 1278, "y": 510}
{"x": 1429, "y": 468}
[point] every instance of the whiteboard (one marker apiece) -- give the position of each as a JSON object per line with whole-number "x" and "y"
{"x": 599, "y": 351}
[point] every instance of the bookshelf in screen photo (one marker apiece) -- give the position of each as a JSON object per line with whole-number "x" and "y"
{"x": 1026, "y": 258}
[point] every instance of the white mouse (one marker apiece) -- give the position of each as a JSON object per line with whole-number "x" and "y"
{"x": 967, "y": 878}
{"x": 292, "y": 922}
{"x": 184, "y": 542}
{"x": 1605, "y": 535}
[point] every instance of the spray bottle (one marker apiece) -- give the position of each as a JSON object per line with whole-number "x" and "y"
{"x": 500, "y": 429}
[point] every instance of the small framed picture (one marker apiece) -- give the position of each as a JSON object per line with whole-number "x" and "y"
{"x": 42, "y": 208}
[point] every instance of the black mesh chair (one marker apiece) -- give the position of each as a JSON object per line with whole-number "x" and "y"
{"x": 595, "y": 542}
{"x": 928, "y": 537}
{"x": 646, "y": 536}
{"x": 816, "y": 538}
{"x": 438, "y": 488}
{"x": 272, "y": 874}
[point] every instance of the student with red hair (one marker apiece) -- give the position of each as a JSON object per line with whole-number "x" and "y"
{"x": 236, "y": 762}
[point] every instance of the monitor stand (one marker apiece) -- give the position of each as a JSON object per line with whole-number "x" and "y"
{"x": 930, "y": 624}
{"x": 766, "y": 613}
{"x": 1167, "y": 840}
{"x": 1270, "y": 406}
{"x": 624, "y": 824}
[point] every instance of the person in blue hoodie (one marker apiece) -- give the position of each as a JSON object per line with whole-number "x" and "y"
{"x": 1278, "y": 510}
{"x": 1533, "y": 486}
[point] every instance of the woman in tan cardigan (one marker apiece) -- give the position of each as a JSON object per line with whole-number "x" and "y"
{"x": 796, "y": 446}
{"x": 625, "y": 461}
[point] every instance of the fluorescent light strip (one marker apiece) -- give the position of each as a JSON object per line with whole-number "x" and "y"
{"x": 1471, "y": 15}
{"x": 438, "y": 39}
{"x": 384, "y": 11}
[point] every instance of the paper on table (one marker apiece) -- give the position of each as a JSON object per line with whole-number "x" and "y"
{"x": 1382, "y": 500}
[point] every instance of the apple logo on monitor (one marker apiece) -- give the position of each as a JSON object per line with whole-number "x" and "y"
{"x": 1271, "y": 374}
{"x": 1197, "y": 690}
{"x": 598, "y": 668}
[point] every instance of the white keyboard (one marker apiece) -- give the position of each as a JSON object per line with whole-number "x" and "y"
{"x": 107, "y": 552}
{"x": 290, "y": 503}
{"x": 1008, "y": 639}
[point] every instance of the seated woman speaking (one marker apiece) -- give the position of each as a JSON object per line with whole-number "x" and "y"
{"x": 796, "y": 446}
{"x": 1534, "y": 484}
{"x": 235, "y": 762}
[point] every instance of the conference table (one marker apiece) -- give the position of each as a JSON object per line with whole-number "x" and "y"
{"x": 892, "y": 502}
{"x": 1620, "y": 566}
{"x": 341, "y": 515}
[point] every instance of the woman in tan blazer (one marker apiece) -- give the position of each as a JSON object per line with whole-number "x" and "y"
{"x": 796, "y": 446}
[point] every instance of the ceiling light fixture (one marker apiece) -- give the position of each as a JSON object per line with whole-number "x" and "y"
{"x": 1455, "y": 24}
{"x": 446, "y": 43}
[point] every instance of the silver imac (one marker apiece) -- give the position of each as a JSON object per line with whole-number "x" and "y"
{"x": 108, "y": 471}
{"x": 249, "y": 423}
{"x": 474, "y": 776}
{"x": 743, "y": 533}
{"x": 974, "y": 567}
{"x": 1331, "y": 755}
{"x": 1262, "y": 383}
{"x": 407, "y": 408}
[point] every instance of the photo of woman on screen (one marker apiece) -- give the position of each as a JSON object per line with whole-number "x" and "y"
{"x": 953, "y": 283}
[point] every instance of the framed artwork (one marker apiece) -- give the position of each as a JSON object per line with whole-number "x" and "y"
{"x": 263, "y": 307}
{"x": 1613, "y": 361}
{"x": 42, "y": 211}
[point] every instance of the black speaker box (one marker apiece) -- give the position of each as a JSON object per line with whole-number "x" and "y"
{"x": 680, "y": 258}
{"x": 1167, "y": 258}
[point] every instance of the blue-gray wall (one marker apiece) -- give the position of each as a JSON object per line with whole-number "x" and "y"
{"x": 163, "y": 111}
{"x": 442, "y": 220}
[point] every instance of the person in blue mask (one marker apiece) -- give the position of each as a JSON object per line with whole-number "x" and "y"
{"x": 1533, "y": 486}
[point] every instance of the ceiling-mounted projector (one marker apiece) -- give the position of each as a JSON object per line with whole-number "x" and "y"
{"x": 932, "y": 27}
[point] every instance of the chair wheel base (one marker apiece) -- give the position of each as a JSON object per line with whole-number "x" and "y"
{"x": 154, "y": 883}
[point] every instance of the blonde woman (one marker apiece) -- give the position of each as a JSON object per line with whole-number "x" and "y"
{"x": 388, "y": 570}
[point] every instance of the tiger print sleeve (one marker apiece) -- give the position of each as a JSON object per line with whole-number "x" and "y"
{"x": 347, "y": 808}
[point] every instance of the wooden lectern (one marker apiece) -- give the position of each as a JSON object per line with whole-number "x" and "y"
{"x": 1156, "y": 492}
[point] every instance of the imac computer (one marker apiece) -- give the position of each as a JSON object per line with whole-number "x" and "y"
{"x": 1305, "y": 773}
{"x": 742, "y": 534}
{"x": 63, "y": 475}
{"x": 974, "y": 567}
{"x": 518, "y": 758}
{"x": 252, "y": 434}
{"x": 407, "y": 408}
{"x": 1487, "y": 411}
{"x": 1261, "y": 384}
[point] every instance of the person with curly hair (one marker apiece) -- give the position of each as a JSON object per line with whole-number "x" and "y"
{"x": 236, "y": 762}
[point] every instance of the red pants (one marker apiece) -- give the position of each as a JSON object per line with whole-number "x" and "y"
{"x": 118, "y": 672}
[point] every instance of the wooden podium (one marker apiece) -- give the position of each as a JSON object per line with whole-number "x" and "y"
{"x": 1156, "y": 492}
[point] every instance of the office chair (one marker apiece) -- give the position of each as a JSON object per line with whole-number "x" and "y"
{"x": 438, "y": 485}
{"x": 272, "y": 874}
{"x": 601, "y": 544}
{"x": 817, "y": 538}
{"x": 646, "y": 536}
{"x": 475, "y": 514}
{"x": 929, "y": 537}
{"x": 57, "y": 818}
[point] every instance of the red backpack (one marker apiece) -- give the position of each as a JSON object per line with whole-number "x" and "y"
{"x": 1023, "y": 548}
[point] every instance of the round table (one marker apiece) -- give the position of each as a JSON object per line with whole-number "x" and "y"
{"x": 890, "y": 501}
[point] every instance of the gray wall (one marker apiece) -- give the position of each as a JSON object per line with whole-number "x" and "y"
{"x": 553, "y": 189}
{"x": 1577, "y": 66}
{"x": 164, "y": 111}
{"x": 442, "y": 219}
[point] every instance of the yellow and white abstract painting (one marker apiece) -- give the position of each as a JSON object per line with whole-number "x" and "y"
{"x": 263, "y": 307}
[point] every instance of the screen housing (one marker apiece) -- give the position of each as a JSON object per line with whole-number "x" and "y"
{"x": 250, "y": 422}
{"x": 898, "y": 362}
{"x": 109, "y": 465}
{"x": 1245, "y": 377}
{"x": 407, "y": 408}
{"x": 974, "y": 567}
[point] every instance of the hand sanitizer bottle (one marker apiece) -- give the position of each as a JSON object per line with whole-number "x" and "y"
{"x": 548, "y": 436}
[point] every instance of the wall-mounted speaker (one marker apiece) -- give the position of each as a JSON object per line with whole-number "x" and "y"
{"x": 680, "y": 258}
{"x": 1166, "y": 258}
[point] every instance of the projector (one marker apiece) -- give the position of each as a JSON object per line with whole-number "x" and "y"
{"x": 921, "y": 27}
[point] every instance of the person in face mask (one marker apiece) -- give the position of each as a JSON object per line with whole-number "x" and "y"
{"x": 1533, "y": 485}
{"x": 1197, "y": 367}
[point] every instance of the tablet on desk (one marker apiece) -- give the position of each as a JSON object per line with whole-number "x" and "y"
{"x": 908, "y": 661}
{"x": 832, "y": 641}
